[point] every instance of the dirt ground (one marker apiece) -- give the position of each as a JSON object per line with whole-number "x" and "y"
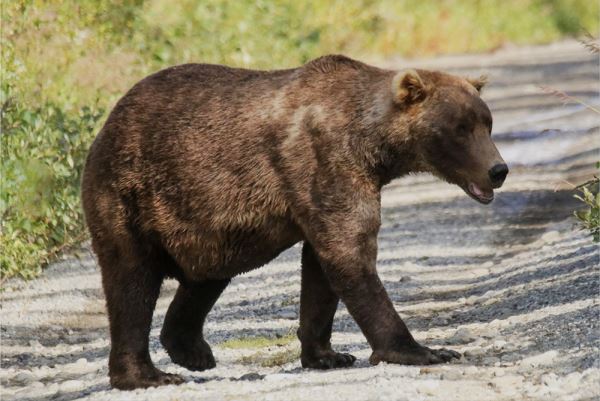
{"x": 514, "y": 286}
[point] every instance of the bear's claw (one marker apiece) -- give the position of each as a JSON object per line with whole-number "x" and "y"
{"x": 415, "y": 356}
{"x": 330, "y": 360}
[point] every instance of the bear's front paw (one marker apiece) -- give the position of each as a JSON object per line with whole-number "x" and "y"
{"x": 196, "y": 356}
{"x": 328, "y": 360}
{"x": 139, "y": 379}
{"x": 418, "y": 355}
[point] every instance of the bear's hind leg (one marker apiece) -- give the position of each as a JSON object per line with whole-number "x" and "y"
{"x": 181, "y": 334}
{"x": 318, "y": 304}
{"x": 131, "y": 284}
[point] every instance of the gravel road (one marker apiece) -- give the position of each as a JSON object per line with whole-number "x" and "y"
{"x": 513, "y": 286}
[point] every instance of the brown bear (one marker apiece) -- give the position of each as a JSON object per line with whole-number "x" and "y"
{"x": 203, "y": 172}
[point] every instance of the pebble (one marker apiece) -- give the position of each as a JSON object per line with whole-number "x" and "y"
{"x": 287, "y": 314}
{"x": 472, "y": 370}
{"x": 23, "y": 378}
{"x": 573, "y": 381}
{"x": 76, "y": 369}
{"x": 461, "y": 336}
{"x": 550, "y": 379}
{"x": 453, "y": 374}
{"x": 510, "y": 357}
{"x": 546, "y": 358}
{"x": 474, "y": 353}
{"x": 550, "y": 236}
{"x": 487, "y": 332}
{"x": 70, "y": 386}
{"x": 252, "y": 376}
{"x": 490, "y": 361}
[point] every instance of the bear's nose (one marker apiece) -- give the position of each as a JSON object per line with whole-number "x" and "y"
{"x": 498, "y": 174}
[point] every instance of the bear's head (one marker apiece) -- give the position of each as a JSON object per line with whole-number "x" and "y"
{"x": 452, "y": 126}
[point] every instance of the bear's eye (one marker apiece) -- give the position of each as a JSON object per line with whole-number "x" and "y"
{"x": 463, "y": 128}
{"x": 488, "y": 123}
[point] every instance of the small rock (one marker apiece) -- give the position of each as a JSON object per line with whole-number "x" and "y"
{"x": 70, "y": 386}
{"x": 461, "y": 336}
{"x": 490, "y": 361}
{"x": 474, "y": 353}
{"x": 487, "y": 332}
{"x": 277, "y": 377}
{"x": 251, "y": 376}
{"x": 287, "y": 314}
{"x": 471, "y": 370}
{"x": 550, "y": 379}
{"x": 405, "y": 279}
{"x": 453, "y": 374}
{"x": 510, "y": 357}
{"x": 572, "y": 382}
{"x": 23, "y": 378}
{"x": 499, "y": 344}
{"x": 164, "y": 361}
{"x": 550, "y": 236}
{"x": 428, "y": 387}
{"x": 546, "y": 358}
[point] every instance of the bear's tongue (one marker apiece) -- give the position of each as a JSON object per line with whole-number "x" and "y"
{"x": 478, "y": 192}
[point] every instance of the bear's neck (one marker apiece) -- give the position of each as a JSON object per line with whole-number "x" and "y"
{"x": 385, "y": 139}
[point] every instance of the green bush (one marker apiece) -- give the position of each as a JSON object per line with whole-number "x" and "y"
{"x": 589, "y": 216}
{"x": 64, "y": 62}
{"x": 43, "y": 153}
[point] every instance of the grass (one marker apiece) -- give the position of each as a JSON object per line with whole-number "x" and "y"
{"x": 270, "y": 360}
{"x": 65, "y": 63}
{"x": 258, "y": 342}
{"x": 266, "y": 357}
{"x": 589, "y": 216}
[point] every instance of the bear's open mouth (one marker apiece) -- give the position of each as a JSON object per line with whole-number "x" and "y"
{"x": 479, "y": 194}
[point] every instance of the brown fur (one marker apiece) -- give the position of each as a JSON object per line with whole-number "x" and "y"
{"x": 203, "y": 172}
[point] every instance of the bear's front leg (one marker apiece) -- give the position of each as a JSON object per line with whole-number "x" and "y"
{"x": 345, "y": 243}
{"x": 318, "y": 304}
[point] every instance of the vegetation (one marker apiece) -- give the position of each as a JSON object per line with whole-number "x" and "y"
{"x": 589, "y": 216}
{"x": 271, "y": 359}
{"x": 258, "y": 342}
{"x": 64, "y": 64}
{"x": 589, "y": 191}
{"x": 286, "y": 347}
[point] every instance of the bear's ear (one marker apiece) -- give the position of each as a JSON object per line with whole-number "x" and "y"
{"x": 478, "y": 83}
{"x": 408, "y": 87}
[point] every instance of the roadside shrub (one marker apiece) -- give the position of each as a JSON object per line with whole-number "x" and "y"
{"x": 43, "y": 151}
{"x": 589, "y": 216}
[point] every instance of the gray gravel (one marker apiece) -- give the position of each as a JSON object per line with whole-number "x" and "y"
{"x": 513, "y": 285}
